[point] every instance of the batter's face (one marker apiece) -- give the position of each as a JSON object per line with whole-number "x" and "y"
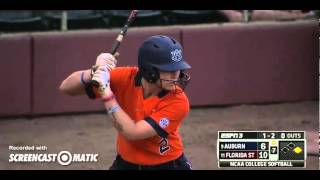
{"x": 168, "y": 80}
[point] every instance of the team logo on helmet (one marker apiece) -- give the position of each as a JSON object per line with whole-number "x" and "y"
{"x": 176, "y": 55}
{"x": 164, "y": 122}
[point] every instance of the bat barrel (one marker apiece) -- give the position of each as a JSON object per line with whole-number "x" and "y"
{"x": 117, "y": 43}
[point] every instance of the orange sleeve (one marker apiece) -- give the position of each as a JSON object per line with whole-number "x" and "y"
{"x": 168, "y": 117}
{"x": 115, "y": 76}
{"x": 119, "y": 77}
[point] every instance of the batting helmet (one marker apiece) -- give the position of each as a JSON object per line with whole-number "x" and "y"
{"x": 160, "y": 53}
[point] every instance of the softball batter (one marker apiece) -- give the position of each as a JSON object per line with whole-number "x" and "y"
{"x": 147, "y": 104}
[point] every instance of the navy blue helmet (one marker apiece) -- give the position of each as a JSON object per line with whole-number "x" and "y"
{"x": 160, "y": 53}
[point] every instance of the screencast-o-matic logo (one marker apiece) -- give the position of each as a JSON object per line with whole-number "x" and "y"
{"x": 64, "y": 158}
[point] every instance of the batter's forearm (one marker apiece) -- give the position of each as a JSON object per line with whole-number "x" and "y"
{"x": 72, "y": 85}
{"x": 122, "y": 122}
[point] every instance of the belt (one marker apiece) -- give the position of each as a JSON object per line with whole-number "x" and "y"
{"x": 168, "y": 165}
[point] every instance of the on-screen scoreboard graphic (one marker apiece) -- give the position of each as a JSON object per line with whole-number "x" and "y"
{"x": 261, "y": 149}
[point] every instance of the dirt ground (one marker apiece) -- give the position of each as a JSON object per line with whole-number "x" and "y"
{"x": 93, "y": 133}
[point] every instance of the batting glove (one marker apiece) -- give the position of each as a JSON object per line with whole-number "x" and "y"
{"x": 102, "y": 76}
{"x": 108, "y": 60}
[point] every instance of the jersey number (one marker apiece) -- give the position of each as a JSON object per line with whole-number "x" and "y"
{"x": 164, "y": 146}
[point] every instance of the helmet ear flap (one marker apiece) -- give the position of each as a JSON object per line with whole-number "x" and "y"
{"x": 151, "y": 75}
{"x": 154, "y": 75}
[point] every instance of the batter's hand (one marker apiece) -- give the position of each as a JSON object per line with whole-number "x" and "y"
{"x": 108, "y": 60}
{"x": 102, "y": 76}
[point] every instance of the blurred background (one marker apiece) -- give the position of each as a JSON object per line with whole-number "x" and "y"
{"x": 38, "y": 20}
{"x": 251, "y": 70}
